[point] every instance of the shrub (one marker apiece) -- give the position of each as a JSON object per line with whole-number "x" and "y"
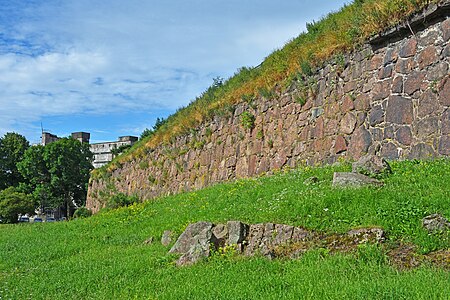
{"x": 121, "y": 149}
{"x": 151, "y": 179}
{"x": 143, "y": 165}
{"x": 248, "y": 98}
{"x": 82, "y": 212}
{"x": 300, "y": 100}
{"x": 266, "y": 93}
{"x": 13, "y": 203}
{"x": 306, "y": 68}
{"x": 260, "y": 135}
{"x": 247, "y": 120}
{"x": 120, "y": 200}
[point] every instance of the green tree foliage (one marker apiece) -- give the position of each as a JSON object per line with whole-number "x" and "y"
{"x": 120, "y": 149}
{"x": 82, "y": 212}
{"x": 149, "y": 132}
{"x": 58, "y": 173}
{"x": 13, "y": 203}
{"x": 120, "y": 199}
{"x": 12, "y": 149}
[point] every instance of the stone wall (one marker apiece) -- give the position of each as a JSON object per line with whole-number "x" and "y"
{"x": 391, "y": 97}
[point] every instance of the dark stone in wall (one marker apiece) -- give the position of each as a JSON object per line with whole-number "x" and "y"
{"x": 423, "y": 151}
{"x": 404, "y": 66}
{"x": 377, "y": 134}
{"x": 427, "y": 57}
{"x": 381, "y": 89}
{"x": 385, "y": 72}
{"x": 347, "y": 104}
{"x": 390, "y": 151}
{"x": 445, "y": 120}
{"x": 444, "y": 145}
{"x": 438, "y": 71}
{"x": 376, "y": 115}
{"x": 389, "y": 132}
{"x": 413, "y": 82}
{"x": 446, "y": 30}
{"x": 340, "y": 145}
{"x": 404, "y": 135}
{"x": 399, "y": 110}
{"x": 446, "y": 51}
{"x": 408, "y": 49}
{"x": 389, "y": 57}
{"x": 360, "y": 142}
{"x": 428, "y": 104}
{"x": 426, "y": 127}
{"x": 444, "y": 93}
{"x": 397, "y": 85}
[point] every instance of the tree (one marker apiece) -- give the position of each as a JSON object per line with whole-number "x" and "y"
{"x": 149, "y": 132}
{"x": 34, "y": 169}
{"x": 58, "y": 173}
{"x": 13, "y": 203}
{"x": 12, "y": 149}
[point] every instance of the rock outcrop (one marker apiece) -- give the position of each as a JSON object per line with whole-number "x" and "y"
{"x": 266, "y": 239}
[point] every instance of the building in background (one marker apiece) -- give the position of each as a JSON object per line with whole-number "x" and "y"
{"x": 103, "y": 152}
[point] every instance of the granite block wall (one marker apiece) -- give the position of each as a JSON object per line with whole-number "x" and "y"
{"x": 392, "y": 97}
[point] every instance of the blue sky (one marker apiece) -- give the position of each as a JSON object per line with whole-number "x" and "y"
{"x": 112, "y": 67}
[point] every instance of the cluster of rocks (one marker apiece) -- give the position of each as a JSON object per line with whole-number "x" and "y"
{"x": 363, "y": 171}
{"x": 266, "y": 239}
{"x": 270, "y": 240}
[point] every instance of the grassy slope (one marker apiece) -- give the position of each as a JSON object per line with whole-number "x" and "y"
{"x": 103, "y": 257}
{"x": 336, "y": 33}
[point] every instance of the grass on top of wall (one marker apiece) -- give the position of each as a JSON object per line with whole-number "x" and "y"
{"x": 329, "y": 37}
{"x": 103, "y": 257}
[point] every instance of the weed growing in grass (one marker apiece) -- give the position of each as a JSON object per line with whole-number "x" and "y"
{"x": 306, "y": 68}
{"x": 208, "y": 132}
{"x": 260, "y": 135}
{"x": 151, "y": 179}
{"x": 300, "y": 100}
{"x": 248, "y": 98}
{"x": 143, "y": 165}
{"x": 266, "y": 93}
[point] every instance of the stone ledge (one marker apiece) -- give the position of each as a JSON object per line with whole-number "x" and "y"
{"x": 416, "y": 22}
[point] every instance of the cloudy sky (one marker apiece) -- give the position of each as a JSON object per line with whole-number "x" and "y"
{"x": 111, "y": 67}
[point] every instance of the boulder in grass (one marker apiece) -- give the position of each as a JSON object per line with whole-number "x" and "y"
{"x": 371, "y": 165}
{"x": 166, "y": 238}
{"x": 366, "y": 235}
{"x": 349, "y": 179}
{"x": 194, "y": 243}
{"x": 220, "y": 234}
{"x": 435, "y": 222}
{"x": 237, "y": 232}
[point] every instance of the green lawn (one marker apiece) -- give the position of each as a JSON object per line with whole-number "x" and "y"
{"x": 103, "y": 257}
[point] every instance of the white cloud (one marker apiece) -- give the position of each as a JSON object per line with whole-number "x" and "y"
{"x": 59, "y": 58}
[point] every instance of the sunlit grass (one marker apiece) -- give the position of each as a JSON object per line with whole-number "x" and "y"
{"x": 103, "y": 257}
